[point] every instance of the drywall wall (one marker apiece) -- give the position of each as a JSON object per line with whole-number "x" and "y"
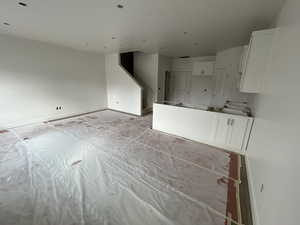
{"x": 228, "y": 78}
{"x": 123, "y": 92}
{"x": 273, "y": 151}
{"x": 190, "y": 90}
{"x": 208, "y": 90}
{"x": 164, "y": 65}
{"x": 36, "y": 77}
{"x": 146, "y": 72}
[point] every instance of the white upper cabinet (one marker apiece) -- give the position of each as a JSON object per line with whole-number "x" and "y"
{"x": 203, "y": 68}
{"x": 243, "y": 59}
{"x": 254, "y": 61}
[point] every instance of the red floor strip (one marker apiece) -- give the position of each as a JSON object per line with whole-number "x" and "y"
{"x": 231, "y": 210}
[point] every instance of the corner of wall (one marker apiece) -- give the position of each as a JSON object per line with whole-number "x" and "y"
{"x": 123, "y": 92}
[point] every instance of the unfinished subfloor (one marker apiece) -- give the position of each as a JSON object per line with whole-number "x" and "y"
{"x": 109, "y": 168}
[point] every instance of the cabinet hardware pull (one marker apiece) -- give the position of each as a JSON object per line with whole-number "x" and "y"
{"x": 232, "y": 122}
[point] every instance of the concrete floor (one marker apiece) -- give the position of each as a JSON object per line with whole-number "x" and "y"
{"x": 112, "y": 168}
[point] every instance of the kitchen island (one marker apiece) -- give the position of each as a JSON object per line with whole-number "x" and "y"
{"x": 227, "y": 131}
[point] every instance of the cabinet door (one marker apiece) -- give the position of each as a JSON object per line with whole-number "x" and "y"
{"x": 243, "y": 59}
{"x": 236, "y": 135}
{"x": 222, "y": 129}
{"x": 242, "y": 66}
{"x": 256, "y": 61}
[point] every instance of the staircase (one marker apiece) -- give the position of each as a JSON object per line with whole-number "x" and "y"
{"x": 127, "y": 62}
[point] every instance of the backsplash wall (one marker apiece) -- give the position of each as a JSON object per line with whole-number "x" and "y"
{"x": 213, "y": 90}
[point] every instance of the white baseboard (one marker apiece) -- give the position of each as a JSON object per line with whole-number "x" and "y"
{"x": 44, "y": 118}
{"x": 253, "y": 202}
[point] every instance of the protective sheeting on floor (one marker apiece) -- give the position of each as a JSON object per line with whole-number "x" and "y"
{"x": 109, "y": 168}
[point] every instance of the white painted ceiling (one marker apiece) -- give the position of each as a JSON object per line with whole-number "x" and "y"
{"x": 144, "y": 25}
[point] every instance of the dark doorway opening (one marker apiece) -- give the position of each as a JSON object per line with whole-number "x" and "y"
{"x": 127, "y": 61}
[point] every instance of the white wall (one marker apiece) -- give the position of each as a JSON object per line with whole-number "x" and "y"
{"x": 36, "y": 77}
{"x": 164, "y": 64}
{"x": 273, "y": 152}
{"x": 146, "y": 72}
{"x": 195, "y": 91}
{"x": 123, "y": 92}
{"x": 150, "y": 70}
{"x": 208, "y": 90}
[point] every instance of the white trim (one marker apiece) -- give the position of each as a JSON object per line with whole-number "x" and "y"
{"x": 253, "y": 202}
{"x": 45, "y": 118}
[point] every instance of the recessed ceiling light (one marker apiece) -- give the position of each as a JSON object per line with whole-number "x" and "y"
{"x": 7, "y": 24}
{"x": 22, "y": 4}
{"x": 120, "y": 6}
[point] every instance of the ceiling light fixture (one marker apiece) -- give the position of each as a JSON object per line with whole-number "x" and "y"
{"x": 22, "y": 4}
{"x": 120, "y": 6}
{"x": 6, "y": 24}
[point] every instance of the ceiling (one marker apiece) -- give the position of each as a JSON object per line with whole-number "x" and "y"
{"x": 171, "y": 27}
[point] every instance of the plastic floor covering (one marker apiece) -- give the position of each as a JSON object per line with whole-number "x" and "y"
{"x": 109, "y": 168}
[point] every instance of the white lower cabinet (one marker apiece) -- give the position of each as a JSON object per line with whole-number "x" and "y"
{"x": 232, "y": 132}
{"x": 221, "y": 130}
{"x": 225, "y": 131}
